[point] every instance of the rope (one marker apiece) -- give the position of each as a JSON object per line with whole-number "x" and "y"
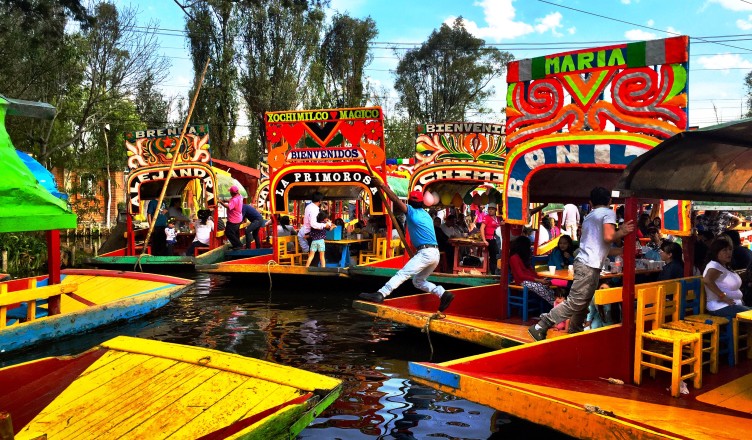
{"x": 269, "y": 265}
{"x": 427, "y": 331}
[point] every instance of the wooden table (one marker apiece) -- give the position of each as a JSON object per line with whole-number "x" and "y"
{"x": 744, "y": 318}
{"x": 345, "y": 243}
{"x": 565, "y": 274}
{"x": 481, "y": 246}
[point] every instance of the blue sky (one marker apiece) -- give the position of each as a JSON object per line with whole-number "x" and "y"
{"x": 529, "y": 28}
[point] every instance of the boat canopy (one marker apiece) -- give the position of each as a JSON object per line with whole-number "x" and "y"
{"x": 713, "y": 163}
{"x": 25, "y": 205}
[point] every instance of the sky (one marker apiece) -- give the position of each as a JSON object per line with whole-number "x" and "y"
{"x": 720, "y": 44}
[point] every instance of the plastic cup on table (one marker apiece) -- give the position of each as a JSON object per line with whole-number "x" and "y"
{"x": 571, "y": 268}
{"x": 552, "y": 269}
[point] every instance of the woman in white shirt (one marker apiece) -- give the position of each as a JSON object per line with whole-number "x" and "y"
{"x": 283, "y": 228}
{"x": 722, "y": 286}
{"x": 203, "y": 227}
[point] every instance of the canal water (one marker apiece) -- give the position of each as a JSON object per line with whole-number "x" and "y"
{"x": 316, "y": 329}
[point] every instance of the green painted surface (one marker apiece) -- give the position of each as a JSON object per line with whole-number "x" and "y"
{"x": 457, "y": 280}
{"x": 24, "y": 204}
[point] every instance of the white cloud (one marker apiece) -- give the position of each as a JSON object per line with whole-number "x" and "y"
{"x": 734, "y": 5}
{"x": 499, "y": 17}
{"x": 626, "y": 2}
{"x": 639, "y": 35}
{"x": 673, "y": 31}
{"x": 744, "y": 25}
{"x": 572, "y": 30}
{"x": 651, "y": 22}
{"x": 724, "y": 61}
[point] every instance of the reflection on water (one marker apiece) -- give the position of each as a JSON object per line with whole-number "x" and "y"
{"x": 317, "y": 330}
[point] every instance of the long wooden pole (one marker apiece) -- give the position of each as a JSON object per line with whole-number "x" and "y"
{"x": 388, "y": 208}
{"x": 172, "y": 165}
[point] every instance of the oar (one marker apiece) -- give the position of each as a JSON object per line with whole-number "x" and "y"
{"x": 388, "y": 208}
{"x": 172, "y": 166}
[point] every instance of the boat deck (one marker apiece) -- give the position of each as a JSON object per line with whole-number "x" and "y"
{"x": 147, "y": 389}
{"x": 473, "y": 316}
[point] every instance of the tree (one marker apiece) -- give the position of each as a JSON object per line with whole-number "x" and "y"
{"x": 117, "y": 56}
{"x": 152, "y": 107}
{"x": 279, "y": 42}
{"x": 343, "y": 55}
{"x": 448, "y": 75}
{"x": 748, "y": 88}
{"x": 213, "y": 28}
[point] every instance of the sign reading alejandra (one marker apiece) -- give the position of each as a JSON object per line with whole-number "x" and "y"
{"x": 322, "y": 115}
{"x": 137, "y": 178}
{"x": 325, "y": 178}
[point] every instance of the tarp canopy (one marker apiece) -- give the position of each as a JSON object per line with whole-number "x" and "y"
{"x": 42, "y": 174}
{"x": 25, "y": 205}
{"x": 713, "y": 163}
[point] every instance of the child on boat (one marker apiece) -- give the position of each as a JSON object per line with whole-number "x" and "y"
{"x": 317, "y": 239}
{"x": 171, "y": 235}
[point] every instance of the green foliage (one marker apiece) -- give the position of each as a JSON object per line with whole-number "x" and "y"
{"x": 27, "y": 252}
{"x": 448, "y": 75}
{"x": 748, "y": 88}
{"x": 279, "y": 42}
{"x": 213, "y": 28}
{"x": 343, "y": 55}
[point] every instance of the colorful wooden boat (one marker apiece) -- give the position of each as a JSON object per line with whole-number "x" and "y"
{"x": 87, "y": 298}
{"x": 331, "y": 151}
{"x": 59, "y": 304}
{"x": 194, "y": 180}
{"x": 136, "y": 388}
{"x": 572, "y": 383}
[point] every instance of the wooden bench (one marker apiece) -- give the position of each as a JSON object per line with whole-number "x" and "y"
{"x": 31, "y": 296}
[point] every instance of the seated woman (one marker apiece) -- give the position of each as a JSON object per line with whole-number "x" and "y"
{"x": 203, "y": 227}
{"x": 523, "y": 272}
{"x": 283, "y": 227}
{"x": 671, "y": 254}
{"x": 563, "y": 255}
{"x": 722, "y": 285}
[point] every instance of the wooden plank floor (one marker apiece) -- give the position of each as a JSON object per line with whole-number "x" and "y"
{"x": 100, "y": 290}
{"x": 736, "y": 395}
{"x": 141, "y": 396}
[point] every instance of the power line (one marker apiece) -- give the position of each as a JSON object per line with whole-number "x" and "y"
{"x": 638, "y": 25}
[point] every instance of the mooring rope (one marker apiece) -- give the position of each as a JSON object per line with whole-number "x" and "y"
{"x": 427, "y": 331}
{"x": 269, "y": 265}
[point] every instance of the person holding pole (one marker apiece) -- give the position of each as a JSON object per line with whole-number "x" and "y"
{"x": 423, "y": 237}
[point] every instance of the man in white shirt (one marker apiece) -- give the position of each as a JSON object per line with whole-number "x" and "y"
{"x": 309, "y": 221}
{"x": 570, "y": 220}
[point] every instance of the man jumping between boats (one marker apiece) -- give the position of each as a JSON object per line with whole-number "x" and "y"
{"x": 423, "y": 237}
{"x": 598, "y": 233}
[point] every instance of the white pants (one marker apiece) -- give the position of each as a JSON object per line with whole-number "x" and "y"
{"x": 418, "y": 268}
{"x": 571, "y": 230}
{"x": 303, "y": 243}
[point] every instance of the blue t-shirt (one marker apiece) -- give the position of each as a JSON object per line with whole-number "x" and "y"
{"x": 420, "y": 227}
{"x": 151, "y": 208}
{"x": 250, "y": 213}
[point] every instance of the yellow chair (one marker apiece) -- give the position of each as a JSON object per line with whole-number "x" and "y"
{"x": 657, "y": 341}
{"x": 379, "y": 254}
{"x": 284, "y": 255}
{"x": 673, "y": 322}
{"x": 694, "y": 300}
{"x": 747, "y": 336}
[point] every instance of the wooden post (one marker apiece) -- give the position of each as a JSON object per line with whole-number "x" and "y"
{"x": 504, "y": 273}
{"x": 53, "y": 267}
{"x": 628, "y": 290}
{"x": 5, "y": 261}
{"x": 6, "y": 426}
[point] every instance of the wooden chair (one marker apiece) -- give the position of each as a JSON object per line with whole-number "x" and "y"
{"x": 661, "y": 344}
{"x": 519, "y": 297}
{"x": 284, "y": 255}
{"x": 378, "y": 254}
{"x": 692, "y": 298}
{"x": 737, "y": 337}
{"x": 672, "y": 306}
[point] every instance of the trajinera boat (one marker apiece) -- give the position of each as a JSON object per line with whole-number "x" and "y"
{"x": 133, "y": 388}
{"x": 195, "y": 184}
{"x": 333, "y": 152}
{"x": 50, "y": 306}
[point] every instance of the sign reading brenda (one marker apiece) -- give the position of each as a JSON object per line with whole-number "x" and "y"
{"x": 159, "y": 146}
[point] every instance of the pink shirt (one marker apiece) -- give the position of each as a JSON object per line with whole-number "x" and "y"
{"x": 235, "y": 209}
{"x": 491, "y": 223}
